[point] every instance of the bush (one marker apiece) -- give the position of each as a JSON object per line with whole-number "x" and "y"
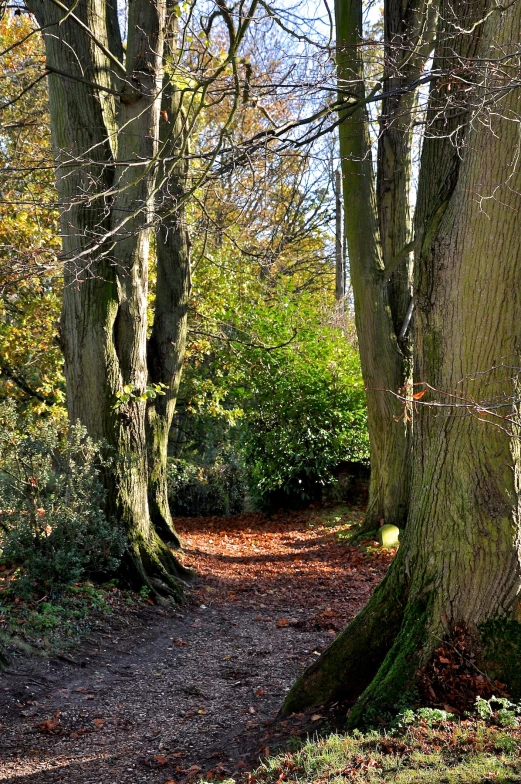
{"x": 198, "y": 491}
{"x": 306, "y": 416}
{"x": 52, "y": 519}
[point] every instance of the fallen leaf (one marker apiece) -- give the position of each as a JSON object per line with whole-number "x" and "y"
{"x": 259, "y": 692}
{"x": 99, "y": 722}
{"x": 50, "y": 725}
{"x": 282, "y": 622}
{"x": 317, "y": 716}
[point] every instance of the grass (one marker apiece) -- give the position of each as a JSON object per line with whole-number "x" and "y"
{"x": 465, "y": 751}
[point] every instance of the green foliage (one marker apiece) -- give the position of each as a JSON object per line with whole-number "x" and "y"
{"x": 129, "y": 393}
{"x": 427, "y": 716}
{"x": 306, "y": 414}
{"x": 196, "y": 491}
{"x": 499, "y": 710}
{"x": 277, "y": 388}
{"x": 52, "y": 519}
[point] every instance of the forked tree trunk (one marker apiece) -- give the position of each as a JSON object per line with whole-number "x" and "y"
{"x": 459, "y": 563}
{"x": 104, "y": 151}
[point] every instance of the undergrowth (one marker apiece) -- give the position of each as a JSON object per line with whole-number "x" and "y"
{"x": 54, "y": 625}
{"x": 427, "y": 746}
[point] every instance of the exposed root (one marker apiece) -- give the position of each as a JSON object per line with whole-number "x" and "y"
{"x": 151, "y": 564}
{"x": 350, "y": 663}
{"x": 397, "y": 675}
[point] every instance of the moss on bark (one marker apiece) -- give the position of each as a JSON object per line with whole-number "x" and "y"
{"x": 350, "y": 663}
{"x": 150, "y": 563}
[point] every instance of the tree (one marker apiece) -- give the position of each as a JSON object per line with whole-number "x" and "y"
{"x": 123, "y": 116}
{"x": 378, "y": 231}
{"x": 105, "y": 109}
{"x": 458, "y": 566}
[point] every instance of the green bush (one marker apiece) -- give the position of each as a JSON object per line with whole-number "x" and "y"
{"x": 305, "y": 416}
{"x": 197, "y": 491}
{"x": 52, "y": 519}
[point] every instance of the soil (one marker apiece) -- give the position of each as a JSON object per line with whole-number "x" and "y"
{"x": 172, "y": 695}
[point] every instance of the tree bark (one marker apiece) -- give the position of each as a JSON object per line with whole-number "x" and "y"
{"x": 381, "y": 358}
{"x": 408, "y": 35}
{"x": 167, "y": 343}
{"x": 459, "y": 563}
{"x": 104, "y": 154}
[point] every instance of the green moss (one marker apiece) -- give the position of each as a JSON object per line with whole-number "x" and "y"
{"x": 501, "y": 652}
{"x": 350, "y": 663}
{"x": 392, "y": 689}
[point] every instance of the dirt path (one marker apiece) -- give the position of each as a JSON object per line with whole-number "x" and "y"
{"x": 169, "y": 695}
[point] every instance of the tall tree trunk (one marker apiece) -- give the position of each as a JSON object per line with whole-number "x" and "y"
{"x": 167, "y": 343}
{"x": 381, "y": 359}
{"x": 459, "y": 564}
{"x": 105, "y": 151}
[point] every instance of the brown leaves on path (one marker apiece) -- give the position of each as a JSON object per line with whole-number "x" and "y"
{"x": 290, "y": 559}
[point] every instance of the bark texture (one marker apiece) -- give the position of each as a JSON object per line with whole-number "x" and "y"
{"x": 105, "y": 148}
{"x": 459, "y": 563}
{"x": 382, "y": 361}
{"x": 167, "y": 343}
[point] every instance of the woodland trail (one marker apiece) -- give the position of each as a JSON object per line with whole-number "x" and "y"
{"x": 166, "y": 696}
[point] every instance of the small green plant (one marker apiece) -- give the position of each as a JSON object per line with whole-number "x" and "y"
{"x": 505, "y": 743}
{"x": 500, "y": 710}
{"x": 53, "y": 523}
{"x": 427, "y": 716}
{"x": 129, "y": 393}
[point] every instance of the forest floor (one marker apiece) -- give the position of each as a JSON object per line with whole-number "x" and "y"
{"x": 154, "y": 696}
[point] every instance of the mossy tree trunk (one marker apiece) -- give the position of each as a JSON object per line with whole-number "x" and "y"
{"x": 378, "y": 228}
{"x": 105, "y": 117}
{"x": 167, "y": 343}
{"x": 459, "y": 563}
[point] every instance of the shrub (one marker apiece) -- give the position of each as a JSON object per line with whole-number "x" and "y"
{"x": 197, "y": 491}
{"x": 52, "y": 519}
{"x": 306, "y": 415}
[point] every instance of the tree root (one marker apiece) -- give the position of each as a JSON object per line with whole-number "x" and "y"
{"x": 395, "y": 678}
{"x": 349, "y": 664}
{"x": 151, "y": 564}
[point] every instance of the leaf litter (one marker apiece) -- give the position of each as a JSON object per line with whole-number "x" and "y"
{"x": 193, "y": 692}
